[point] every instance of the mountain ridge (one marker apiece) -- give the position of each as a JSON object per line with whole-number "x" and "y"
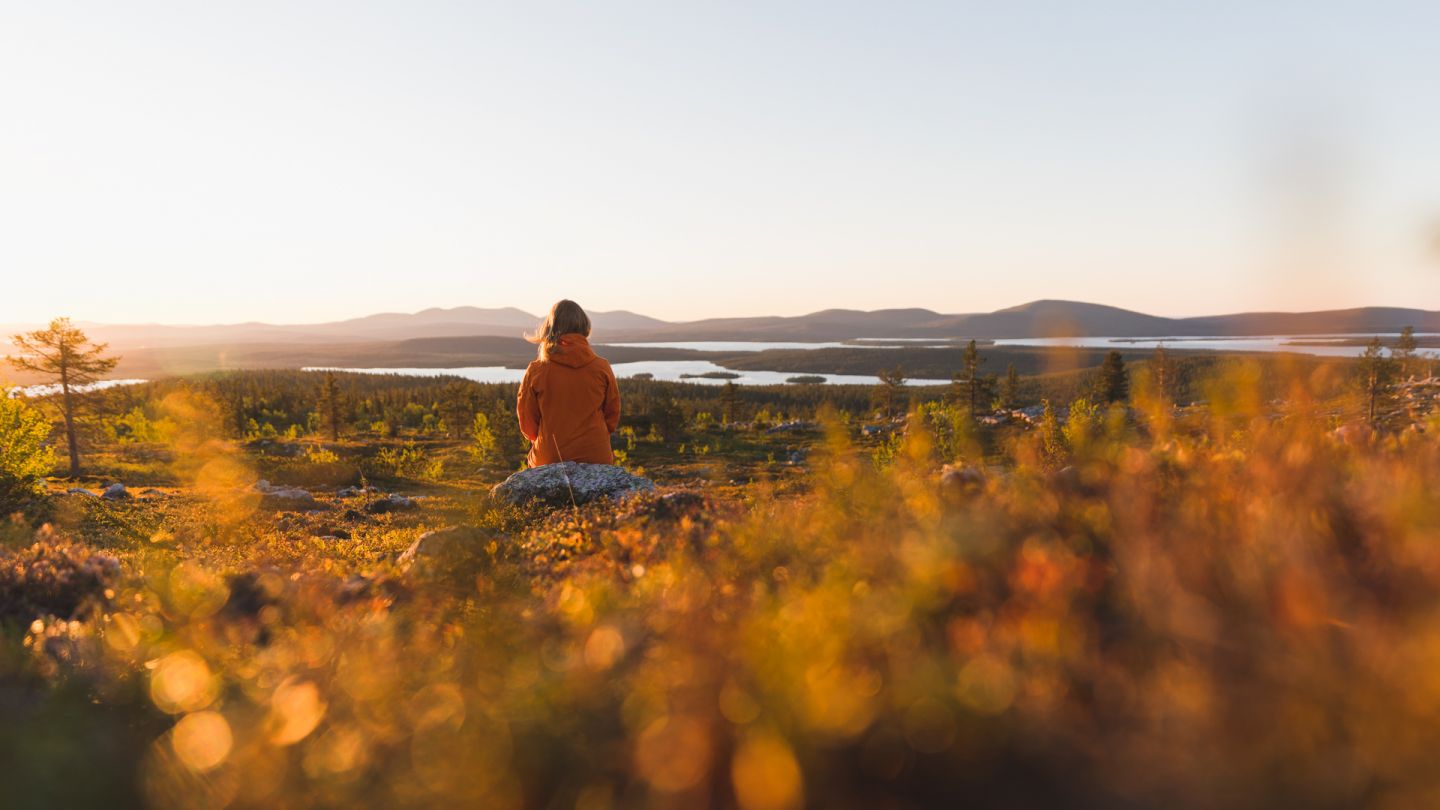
{"x": 1042, "y": 318}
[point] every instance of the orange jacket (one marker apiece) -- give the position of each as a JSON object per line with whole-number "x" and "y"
{"x": 569, "y": 405}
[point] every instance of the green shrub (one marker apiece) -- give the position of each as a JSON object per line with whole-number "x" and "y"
{"x": 25, "y": 458}
{"x": 952, "y": 430}
{"x": 406, "y": 461}
{"x": 484, "y": 447}
{"x": 1082, "y": 427}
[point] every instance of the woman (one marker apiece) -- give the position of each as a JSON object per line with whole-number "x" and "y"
{"x": 569, "y": 403}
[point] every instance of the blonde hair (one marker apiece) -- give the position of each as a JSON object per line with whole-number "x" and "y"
{"x": 565, "y": 318}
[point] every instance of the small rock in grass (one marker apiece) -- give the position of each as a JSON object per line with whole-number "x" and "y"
{"x": 444, "y": 544}
{"x": 286, "y": 498}
{"x": 353, "y": 492}
{"x": 391, "y": 503}
{"x": 961, "y": 481}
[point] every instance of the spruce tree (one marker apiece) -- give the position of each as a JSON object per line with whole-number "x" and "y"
{"x": 1113, "y": 384}
{"x": 968, "y": 386}
{"x": 1009, "y": 389}
{"x": 329, "y": 405}
{"x": 729, "y": 403}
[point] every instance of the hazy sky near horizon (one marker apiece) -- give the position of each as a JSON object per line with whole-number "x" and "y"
{"x": 291, "y": 161}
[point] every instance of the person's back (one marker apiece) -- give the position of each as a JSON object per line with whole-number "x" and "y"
{"x": 569, "y": 402}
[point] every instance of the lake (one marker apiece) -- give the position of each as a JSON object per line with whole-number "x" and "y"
{"x": 675, "y": 370}
{"x": 47, "y": 390}
{"x": 1298, "y": 344}
{"x": 767, "y": 345}
{"x": 666, "y": 370}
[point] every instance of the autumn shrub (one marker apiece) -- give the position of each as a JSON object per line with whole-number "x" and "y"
{"x": 54, "y": 578}
{"x": 1242, "y": 609}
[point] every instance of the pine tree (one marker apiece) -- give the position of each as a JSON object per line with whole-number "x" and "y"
{"x": 1377, "y": 372}
{"x": 330, "y": 405}
{"x": 1009, "y": 389}
{"x": 64, "y": 354}
{"x": 968, "y": 386}
{"x": 729, "y": 403}
{"x": 890, "y": 393}
{"x": 1113, "y": 384}
{"x": 666, "y": 416}
{"x": 1162, "y": 372}
{"x": 459, "y": 402}
{"x": 1404, "y": 351}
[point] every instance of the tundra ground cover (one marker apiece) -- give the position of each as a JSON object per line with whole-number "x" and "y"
{"x": 1232, "y": 605}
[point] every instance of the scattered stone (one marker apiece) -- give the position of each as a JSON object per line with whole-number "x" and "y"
{"x": 1030, "y": 414}
{"x": 795, "y": 425}
{"x": 81, "y": 491}
{"x": 571, "y": 482}
{"x": 961, "y": 481}
{"x": 444, "y": 544}
{"x": 354, "y": 492}
{"x": 393, "y": 502}
{"x": 291, "y": 499}
{"x": 115, "y": 492}
{"x": 273, "y": 448}
{"x": 1354, "y": 434}
{"x": 359, "y": 587}
{"x": 1077, "y": 481}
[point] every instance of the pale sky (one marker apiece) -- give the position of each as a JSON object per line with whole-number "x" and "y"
{"x": 194, "y": 162}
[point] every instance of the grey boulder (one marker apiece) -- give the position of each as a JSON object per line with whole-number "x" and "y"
{"x": 571, "y": 482}
{"x": 285, "y": 498}
{"x": 115, "y": 492}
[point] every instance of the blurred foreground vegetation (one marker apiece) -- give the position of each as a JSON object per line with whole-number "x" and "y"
{"x": 1231, "y": 603}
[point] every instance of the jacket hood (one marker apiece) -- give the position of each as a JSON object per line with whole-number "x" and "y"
{"x": 572, "y": 350}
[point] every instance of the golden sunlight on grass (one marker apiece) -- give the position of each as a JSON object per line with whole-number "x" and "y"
{"x": 1155, "y": 606}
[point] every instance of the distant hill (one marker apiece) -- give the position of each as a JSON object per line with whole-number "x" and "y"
{"x": 1046, "y": 318}
{"x": 1037, "y": 319}
{"x": 1060, "y": 319}
{"x": 385, "y": 326}
{"x": 1361, "y": 320}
